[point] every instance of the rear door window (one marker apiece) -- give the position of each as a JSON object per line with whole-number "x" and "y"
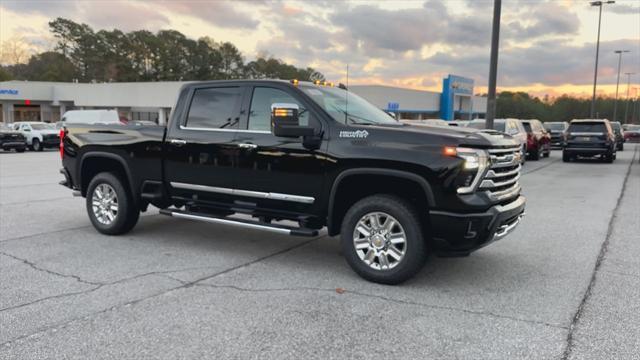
{"x": 595, "y": 127}
{"x": 215, "y": 108}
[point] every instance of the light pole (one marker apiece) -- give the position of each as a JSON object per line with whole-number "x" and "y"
{"x": 493, "y": 65}
{"x": 615, "y": 104}
{"x": 626, "y": 105}
{"x": 595, "y": 73}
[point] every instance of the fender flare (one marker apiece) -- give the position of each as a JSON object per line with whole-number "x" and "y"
{"x": 376, "y": 171}
{"x": 119, "y": 159}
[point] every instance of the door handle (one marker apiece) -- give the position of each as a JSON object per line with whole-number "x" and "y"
{"x": 247, "y": 146}
{"x": 178, "y": 142}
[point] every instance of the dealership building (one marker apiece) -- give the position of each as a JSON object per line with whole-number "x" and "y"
{"x": 47, "y": 101}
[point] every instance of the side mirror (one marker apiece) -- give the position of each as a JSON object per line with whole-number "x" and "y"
{"x": 286, "y": 123}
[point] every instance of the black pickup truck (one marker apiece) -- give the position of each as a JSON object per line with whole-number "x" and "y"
{"x": 254, "y": 153}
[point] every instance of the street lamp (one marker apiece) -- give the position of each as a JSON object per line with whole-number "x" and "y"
{"x": 626, "y": 106}
{"x": 493, "y": 65}
{"x": 595, "y": 73}
{"x": 615, "y": 104}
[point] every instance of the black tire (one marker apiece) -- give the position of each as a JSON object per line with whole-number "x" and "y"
{"x": 127, "y": 213}
{"x": 535, "y": 156}
{"x": 566, "y": 157}
{"x": 415, "y": 252}
{"x": 621, "y": 147}
{"x": 547, "y": 153}
{"x": 21, "y": 150}
{"x": 36, "y": 145}
{"x": 608, "y": 158}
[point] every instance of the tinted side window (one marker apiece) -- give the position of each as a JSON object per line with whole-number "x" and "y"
{"x": 260, "y": 113}
{"x": 215, "y": 108}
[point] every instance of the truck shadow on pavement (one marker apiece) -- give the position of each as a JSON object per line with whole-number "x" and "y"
{"x": 312, "y": 262}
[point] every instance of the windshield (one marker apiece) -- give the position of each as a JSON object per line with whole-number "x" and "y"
{"x": 633, "y": 127}
{"x": 497, "y": 125}
{"x": 616, "y": 126}
{"x": 597, "y": 127}
{"x": 554, "y": 126}
{"x": 527, "y": 126}
{"x": 347, "y": 107}
{"x": 42, "y": 126}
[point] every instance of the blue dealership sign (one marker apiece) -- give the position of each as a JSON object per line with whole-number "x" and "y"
{"x": 8, "y": 92}
{"x": 393, "y": 106}
{"x": 451, "y": 86}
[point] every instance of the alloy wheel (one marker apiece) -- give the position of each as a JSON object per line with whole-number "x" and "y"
{"x": 380, "y": 240}
{"x": 104, "y": 203}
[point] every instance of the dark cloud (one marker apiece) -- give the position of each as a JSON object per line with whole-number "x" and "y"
{"x": 396, "y": 30}
{"x": 544, "y": 20}
{"x": 549, "y": 62}
{"x": 625, "y": 9}
{"x": 39, "y": 7}
{"x": 223, "y": 14}
{"x": 123, "y": 15}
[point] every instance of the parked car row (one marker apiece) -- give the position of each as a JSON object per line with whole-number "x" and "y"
{"x": 38, "y": 136}
{"x": 579, "y": 138}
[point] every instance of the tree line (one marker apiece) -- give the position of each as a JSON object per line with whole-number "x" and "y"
{"x": 521, "y": 105}
{"x": 84, "y": 55}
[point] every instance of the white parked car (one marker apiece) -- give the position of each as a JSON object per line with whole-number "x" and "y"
{"x": 92, "y": 117}
{"x": 509, "y": 126}
{"x": 39, "y": 135}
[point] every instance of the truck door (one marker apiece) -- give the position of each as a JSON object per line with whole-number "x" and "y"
{"x": 277, "y": 173}
{"x": 200, "y": 155}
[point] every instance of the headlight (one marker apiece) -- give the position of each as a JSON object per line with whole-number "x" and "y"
{"x": 475, "y": 163}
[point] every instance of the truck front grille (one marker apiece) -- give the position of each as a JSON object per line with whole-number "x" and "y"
{"x": 500, "y": 181}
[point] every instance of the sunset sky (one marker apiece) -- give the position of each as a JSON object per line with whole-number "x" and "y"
{"x": 547, "y": 47}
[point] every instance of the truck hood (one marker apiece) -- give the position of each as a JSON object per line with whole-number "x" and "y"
{"x": 452, "y": 135}
{"x": 47, "y": 131}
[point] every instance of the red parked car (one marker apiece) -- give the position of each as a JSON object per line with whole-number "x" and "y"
{"x": 631, "y": 133}
{"x": 538, "y": 139}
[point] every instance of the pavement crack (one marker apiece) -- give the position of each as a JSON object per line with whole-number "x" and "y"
{"x": 44, "y": 233}
{"x": 541, "y": 167}
{"x": 601, "y": 255}
{"x": 58, "y": 296}
{"x": 385, "y": 298}
{"x": 182, "y": 285}
{"x": 51, "y": 272}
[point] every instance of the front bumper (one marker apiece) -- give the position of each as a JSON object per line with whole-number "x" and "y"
{"x": 459, "y": 234}
{"x": 13, "y": 145}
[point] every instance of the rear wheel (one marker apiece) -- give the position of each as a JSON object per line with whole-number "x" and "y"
{"x": 110, "y": 206}
{"x": 382, "y": 239}
{"x": 608, "y": 158}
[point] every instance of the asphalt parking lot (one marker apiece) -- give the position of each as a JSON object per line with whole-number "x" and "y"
{"x": 564, "y": 285}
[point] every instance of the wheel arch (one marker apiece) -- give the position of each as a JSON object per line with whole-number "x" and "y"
{"x": 337, "y": 207}
{"x": 94, "y": 163}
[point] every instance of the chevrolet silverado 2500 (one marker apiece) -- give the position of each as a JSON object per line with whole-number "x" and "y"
{"x": 251, "y": 153}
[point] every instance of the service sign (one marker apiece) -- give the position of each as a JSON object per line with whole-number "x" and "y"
{"x": 461, "y": 85}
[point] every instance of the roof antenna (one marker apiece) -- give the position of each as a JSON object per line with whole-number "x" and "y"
{"x": 346, "y": 110}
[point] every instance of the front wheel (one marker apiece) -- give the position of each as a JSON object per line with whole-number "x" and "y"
{"x": 35, "y": 145}
{"x": 110, "y": 206}
{"x": 382, "y": 239}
